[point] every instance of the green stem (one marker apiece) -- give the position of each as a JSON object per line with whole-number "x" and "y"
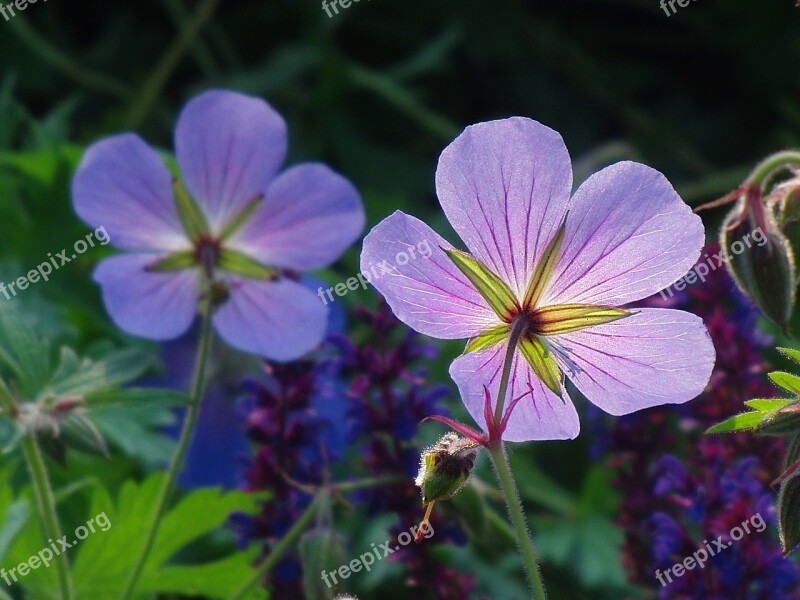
{"x": 187, "y": 432}
{"x": 518, "y": 328}
{"x": 517, "y": 516}
{"x": 370, "y": 482}
{"x": 280, "y": 549}
{"x": 508, "y": 487}
{"x": 772, "y": 165}
{"x": 46, "y": 503}
{"x": 151, "y": 90}
{"x": 45, "y": 500}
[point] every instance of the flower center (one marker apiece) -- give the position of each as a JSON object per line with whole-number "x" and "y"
{"x": 207, "y": 253}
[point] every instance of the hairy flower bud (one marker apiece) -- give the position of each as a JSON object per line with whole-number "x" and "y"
{"x": 783, "y": 421}
{"x": 445, "y": 467}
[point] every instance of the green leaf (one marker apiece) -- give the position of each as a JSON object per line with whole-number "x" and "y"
{"x": 79, "y": 433}
{"x": 767, "y": 404}
{"x": 22, "y": 352}
{"x": 78, "y": 378}
{"x": 740, "y": 422}
{"x": 542, "y": 362}
{"x": 133, "y": 419}
{"x": 790, "y": 353}
{"x": 15, "y": 519}
{"x": 487, "y": 339}
{"x": 493, "y": 289}
{"x": 544, "y": 268}
{"x": 103, "y": 561}
{"x": 789, "y": 382}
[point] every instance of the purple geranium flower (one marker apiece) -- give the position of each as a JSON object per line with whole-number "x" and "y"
{"x": 553, "y": 270}
{"x": 233, "y": 227}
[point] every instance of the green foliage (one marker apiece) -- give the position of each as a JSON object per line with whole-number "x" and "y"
{"x": 76, "y": 402}
{"x": 102, "y": 561}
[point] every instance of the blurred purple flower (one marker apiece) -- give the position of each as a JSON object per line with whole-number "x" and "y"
{"x": 706, "y": 485}
{"x": 296, "y": 421}
{"x": 550, "y": 259}
{"x": 237, "y": 230}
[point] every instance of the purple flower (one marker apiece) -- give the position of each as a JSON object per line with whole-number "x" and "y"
{"x": 232, "y": 227}
{"x": 557, "y": 268}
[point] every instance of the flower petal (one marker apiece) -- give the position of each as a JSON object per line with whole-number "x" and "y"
{"x": 654, "y": 356}
{"x": 122, "y": 185}
{"x": 281, "y": 320}
{"x": 308, "y": 217}
{"x": 424, "y": 289}
{"x": 539, "y": 416}
{"x": 628, "y": 236}
{"x": 158, "y": 306}
{"x": 504, "y": 186}
{"x": 229, "y": 147}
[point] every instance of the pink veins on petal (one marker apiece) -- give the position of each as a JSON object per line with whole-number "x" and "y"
{"x": 232, "y": 225}
{"x": 565, "y": 264}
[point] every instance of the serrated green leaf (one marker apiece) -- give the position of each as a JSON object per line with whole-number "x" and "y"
{"x": 116, "y": 368}
{"x": 132, "y": 420}
{"x": 740, "y": 422}
{"x": 789, "y": 382}
{"x": 102, "y": 562}
{"x": 493, "y": 289}
{"x": 22, "y": 352}
{"x": 16, "y": 516}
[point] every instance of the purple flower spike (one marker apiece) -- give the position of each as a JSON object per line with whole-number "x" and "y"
{"x": 232, "y": 227}
{"x": 554, "y": 269}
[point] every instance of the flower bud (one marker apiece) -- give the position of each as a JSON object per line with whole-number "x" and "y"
{"x": 445, "y": 467}
{"x": 783, "y": 421}
{"x": 763, "y": 266}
